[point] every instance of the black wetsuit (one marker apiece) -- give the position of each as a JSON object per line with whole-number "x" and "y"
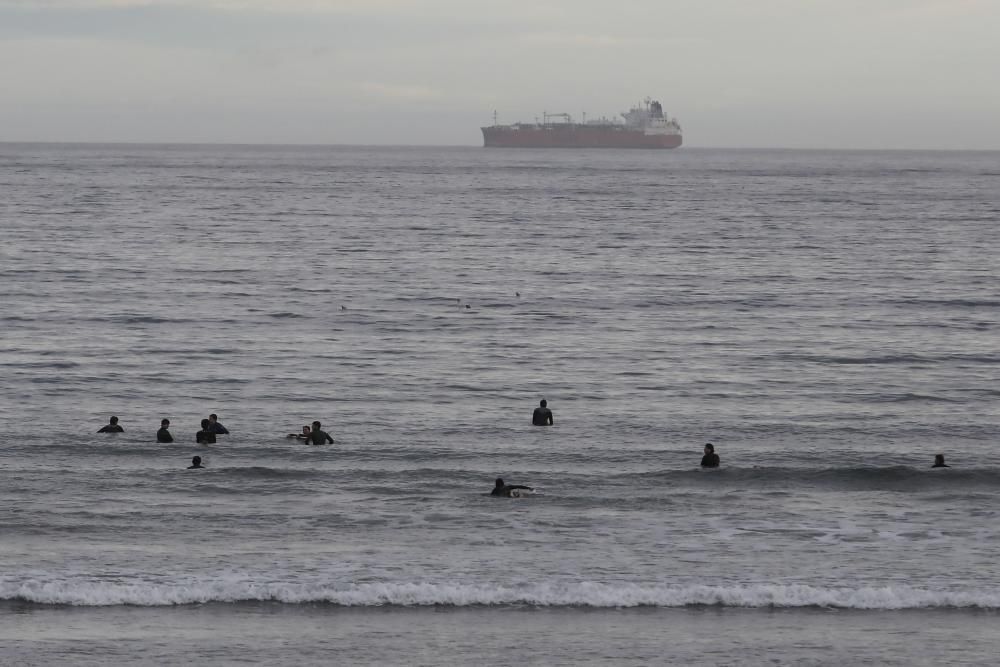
{"x": 195, "y": 467}
{"x": 541, "y": 417}
{"x": 112, "y": 428}
{"x": 218, "y": 428}
{"x": 205, "y": 438}
{"x": 318, "y": 437}
{"x": 710, "y": 460}
{"x": 940, "y": 465}
{"x": 163, "y": 435}
{"x": 507, "y": 488}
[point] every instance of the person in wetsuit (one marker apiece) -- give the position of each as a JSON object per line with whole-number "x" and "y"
{"x": 215, "y": 426}
{"x": 163, "y": 435}
{"x": 205, "y": 436}
{"x": 542, "y": 416}
{"x": 710, "y": 459}
{"x": 317, "y": 436}
{"x": 501, "y": 489}
{"x": 301, "y": 436}
{"x": 939, "y": 461}
{"x": 112, "y": 427}
{"x": 195, "y": 463}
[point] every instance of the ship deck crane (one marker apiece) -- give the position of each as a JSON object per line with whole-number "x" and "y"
{"x": 546, "y": 115}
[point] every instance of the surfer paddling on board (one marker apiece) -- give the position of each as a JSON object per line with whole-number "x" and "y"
{"x": 508, "y": 490}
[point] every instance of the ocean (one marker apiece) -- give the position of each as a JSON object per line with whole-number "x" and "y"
{"x": 827, "y": 319}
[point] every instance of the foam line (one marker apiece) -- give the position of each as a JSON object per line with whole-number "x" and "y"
{"x": 584, "y": 594}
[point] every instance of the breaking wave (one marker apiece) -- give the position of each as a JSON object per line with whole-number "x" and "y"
{"x": 583, "y": 594}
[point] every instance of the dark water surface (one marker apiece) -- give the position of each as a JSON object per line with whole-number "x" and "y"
{"x": 828, "y": 319}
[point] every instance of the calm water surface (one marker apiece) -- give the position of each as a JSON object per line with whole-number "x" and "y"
{"x": 829, "y": 320}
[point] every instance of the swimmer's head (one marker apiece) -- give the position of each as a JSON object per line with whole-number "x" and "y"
{"x": 213, "y": 417}
{"x": 499, "y": 482}
{"x": 196, "y": 460}
{"x": 316, "y": 425}
{"x": 305, "y": 430}
{"x": 204, "y": 423}
{"x": 114, "y": 420}
{"x": 939, "y": 459}
{"x": 709, "y": 448}
{"x": 543, "y": 403}
{"x": 164, "y": 423}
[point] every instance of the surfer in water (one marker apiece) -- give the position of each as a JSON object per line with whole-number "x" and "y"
{"x": 112, "y": 427}
{"x": 301, "y": 436}
{"x": 163, "y": 435}
{"x": 195, "y": 463}
{"x": 710, "y": 459}
{"x": 939, "y": 461}
{"x": 542, "y": 416}
{"x": 215, "y": 426}
{"x": 206, "y": 436}
{"x": 317, "y": 436}
{"x": 504, "y": 490}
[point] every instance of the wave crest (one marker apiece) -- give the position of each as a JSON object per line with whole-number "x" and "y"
{"x": 580, "y": 594}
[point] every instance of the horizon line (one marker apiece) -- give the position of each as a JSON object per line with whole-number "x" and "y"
{"x": 31, "y": 142}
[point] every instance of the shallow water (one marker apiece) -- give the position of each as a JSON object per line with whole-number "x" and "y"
{"x": 827, "y": 319}
{"x": 267, "y": 634}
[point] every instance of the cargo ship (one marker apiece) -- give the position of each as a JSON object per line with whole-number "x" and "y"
{"x": 644, "y": 126}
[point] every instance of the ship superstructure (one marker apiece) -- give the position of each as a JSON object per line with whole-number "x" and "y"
{"x": 642, "y": 126}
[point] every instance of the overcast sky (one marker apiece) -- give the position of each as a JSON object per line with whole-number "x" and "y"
{"x": 781, "y": 73}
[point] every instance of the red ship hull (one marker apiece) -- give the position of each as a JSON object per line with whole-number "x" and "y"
{"x": 574, "y": 136}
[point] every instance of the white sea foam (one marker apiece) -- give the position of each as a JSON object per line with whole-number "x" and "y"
{"x": 583, "y": 594}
